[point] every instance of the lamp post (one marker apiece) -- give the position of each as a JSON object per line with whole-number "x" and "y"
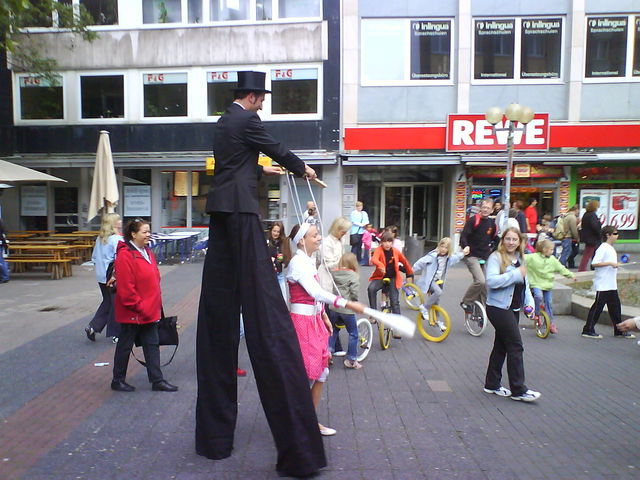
{"x": 515, "y": 113}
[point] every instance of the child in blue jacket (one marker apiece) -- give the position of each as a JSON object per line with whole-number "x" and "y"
{"x": 433, "y": 267}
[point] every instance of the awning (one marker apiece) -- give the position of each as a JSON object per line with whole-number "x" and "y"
{"x": 401, "y": 160}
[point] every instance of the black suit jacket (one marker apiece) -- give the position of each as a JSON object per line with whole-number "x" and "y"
{"x": 237, "y": 140}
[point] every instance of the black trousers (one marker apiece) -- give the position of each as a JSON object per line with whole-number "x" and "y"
{"x": 394, "y": 299}
{"x": 238, "y": 273}
{"x": 611, "y": 299}
{"x": 507, "y": 344}
{"x": 105, "y": 315}
{"x": 149, "y": 337}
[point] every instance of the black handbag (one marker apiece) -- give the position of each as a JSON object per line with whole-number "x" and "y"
{"x": 355, "y": 239}
{"x": 167, "y": 335}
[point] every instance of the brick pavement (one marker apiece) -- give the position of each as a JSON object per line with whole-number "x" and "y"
{"x": 414, "y": 411}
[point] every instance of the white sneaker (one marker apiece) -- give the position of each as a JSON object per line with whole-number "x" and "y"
{"x": 326, "y": 431}
{"x": 501, "y": 392}
{"x": 528, "y": 396}
{"x": 340, "y": 354}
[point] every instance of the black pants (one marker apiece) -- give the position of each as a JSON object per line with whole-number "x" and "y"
{"x": 575, "y": 249}
{"x": 507, "y": 344}
{"x": 149, "y": 337}
{"x": 238, "y": 273}
{"x": 105, "y": 315}
{"x": 372, "y": 292}
{"x": 356, "y": 248}
{"x": 611, "y": 299}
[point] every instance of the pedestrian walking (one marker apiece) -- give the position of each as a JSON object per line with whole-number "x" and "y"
{"x": 359, "y": 219}
{"x": 531, "y": 216}
{"x": 605, "y": 283}
{"x": 590, "y": 234}
{"x": 570, "y": 236}
{"x": 4, "y": 249}
{"x": 280, "y": 253}
{"x": 103, "y": 256}
{"x": 238, "y": 274}
{"x": 138, "y": 307}
{"x": 507, "y": 293}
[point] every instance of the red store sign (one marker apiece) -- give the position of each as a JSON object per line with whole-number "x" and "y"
{"x": 472, "y": 133}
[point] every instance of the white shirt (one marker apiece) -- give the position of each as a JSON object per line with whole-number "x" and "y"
{"x": 605, "y": 278}
{"x": 143, "y": 252}
{"x": 331, "y": 251}
{"x": 302, "y": 269}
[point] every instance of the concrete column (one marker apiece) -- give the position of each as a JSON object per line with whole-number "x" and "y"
{"x": 465, "y": 31}
{"x": 156, "y": 199}
{"x": 576, "y": 56}
{"x": 189, "y": 200}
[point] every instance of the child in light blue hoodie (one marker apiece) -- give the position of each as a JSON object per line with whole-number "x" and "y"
{"x": 433, "y": 267}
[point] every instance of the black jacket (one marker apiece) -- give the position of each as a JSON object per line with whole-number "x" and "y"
{"x": 237, "y": 140}
{"x": 478, "y": 238}
{"x": 591, "y": 233}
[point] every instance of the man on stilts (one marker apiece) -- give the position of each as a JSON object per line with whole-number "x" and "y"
{"x": 238, "y": 275}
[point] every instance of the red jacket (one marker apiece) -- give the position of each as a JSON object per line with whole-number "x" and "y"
{"x": 138, "y": 296}
{"x": 381, "y": 268}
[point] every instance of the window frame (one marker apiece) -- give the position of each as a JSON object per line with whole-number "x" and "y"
{"x": 406, "y": 48}
{"x": 517, "y": 52}
{"x": 631, "y": 28}
{"x": 190, "y": 116}
{"x": 101, "y": 73}
{"x": 17, "y": 102}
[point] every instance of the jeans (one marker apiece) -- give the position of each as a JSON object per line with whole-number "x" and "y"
{"x": 567, "y": 248}
{"x": 507, "y": 344}
{"x": 372, "y": 291}
{"x": 434, "y": 295}
{"x": 477, "y": 290}
{"x": 283, "y": 284}
{"x": 350, "y": 322}
{"x": 365, "y": 257}
{"x": 545, "y": 296}
{"x": 4, "y": 268}
{"x": 357, "y": 249}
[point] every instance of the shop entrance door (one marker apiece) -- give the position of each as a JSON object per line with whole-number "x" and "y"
{"x": 66, "y": 209}
{"x": 414, "y": 208}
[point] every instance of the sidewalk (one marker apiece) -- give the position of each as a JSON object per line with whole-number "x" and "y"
{"x": 414, "y": 411}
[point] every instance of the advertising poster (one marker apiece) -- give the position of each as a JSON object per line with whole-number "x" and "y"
{"x": 137, "y": 201}
{"x": 602, "y": 196}
{"x": 623, "y": 211}
{"x": 33, "y": 201}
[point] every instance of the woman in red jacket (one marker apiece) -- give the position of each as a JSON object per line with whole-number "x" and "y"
{"x": 138, "y": 304}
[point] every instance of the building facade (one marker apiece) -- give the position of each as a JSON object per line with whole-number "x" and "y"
{"x": 418, "y": 77}
{"x": 157, "y": 78}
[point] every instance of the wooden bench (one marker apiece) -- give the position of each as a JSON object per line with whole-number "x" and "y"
{"x": 58, "y": 267}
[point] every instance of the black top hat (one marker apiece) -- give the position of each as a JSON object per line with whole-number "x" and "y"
{"x": 251, "y": 81}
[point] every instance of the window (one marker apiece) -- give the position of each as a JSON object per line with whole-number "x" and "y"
{"x": 102, "y": 96}
{"x": 405, "y": 51}
{"x": 541, "y": 39}
{"x": 225, "y": 10}
{"x": 518, "y": 48}
{"x": 494, "y": 41}
{"x": 165, "y": 94}
{"x": 194, "y": 7}
{"x": 430, "y": 49}
{"x": 613, "y": 48}
{"x": 263, "y": 10}
{"x": 298, "y": 8}
{"x": 220, "y": 87}
{"x": 40, "y": 98}
{"x": 104, "y": 12}
{"x": 294, "y": 91}
{"x": 40, "y": 15}
{"x": 161, "y": 11}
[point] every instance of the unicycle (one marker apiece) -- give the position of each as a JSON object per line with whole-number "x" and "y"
{"x": 476, "y": 319}
{"x": 384, "y": 332}
{"x": 434, "y": 323}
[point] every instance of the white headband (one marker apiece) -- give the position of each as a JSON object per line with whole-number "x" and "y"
{"x": 304, "y": 228}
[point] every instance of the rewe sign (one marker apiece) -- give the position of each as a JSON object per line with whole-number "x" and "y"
{"x": 472, "y": 133}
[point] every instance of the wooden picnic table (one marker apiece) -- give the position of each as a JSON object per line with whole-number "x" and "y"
{"x": 19, "y": 236}
{"x": 57, "y": 258}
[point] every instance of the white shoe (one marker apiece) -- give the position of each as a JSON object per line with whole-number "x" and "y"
{"x": 501, "y": 392}
{"x": 326, "y": 431}
{"x": 340, "y": 354}
{"x": 528, "y": 396}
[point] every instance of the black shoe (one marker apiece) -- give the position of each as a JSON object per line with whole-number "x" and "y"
{"x": 164, "y": 386}
{"x": 122, "y": 386}
{"x": 466, "y": 308}
{"x": 91, "y": 333}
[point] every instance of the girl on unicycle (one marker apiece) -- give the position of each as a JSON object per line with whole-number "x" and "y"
{"x": 433, "y": 267}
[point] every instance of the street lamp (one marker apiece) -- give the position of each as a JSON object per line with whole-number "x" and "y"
{"x": 515, "y": 113}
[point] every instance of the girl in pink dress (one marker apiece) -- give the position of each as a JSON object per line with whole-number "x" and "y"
{"x": 307, "y": 310}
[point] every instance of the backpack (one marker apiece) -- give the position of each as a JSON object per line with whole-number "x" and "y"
{"x": 559, "y": 231}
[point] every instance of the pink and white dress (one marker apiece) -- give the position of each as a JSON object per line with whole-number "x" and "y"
{"x": 307, "y": 300}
